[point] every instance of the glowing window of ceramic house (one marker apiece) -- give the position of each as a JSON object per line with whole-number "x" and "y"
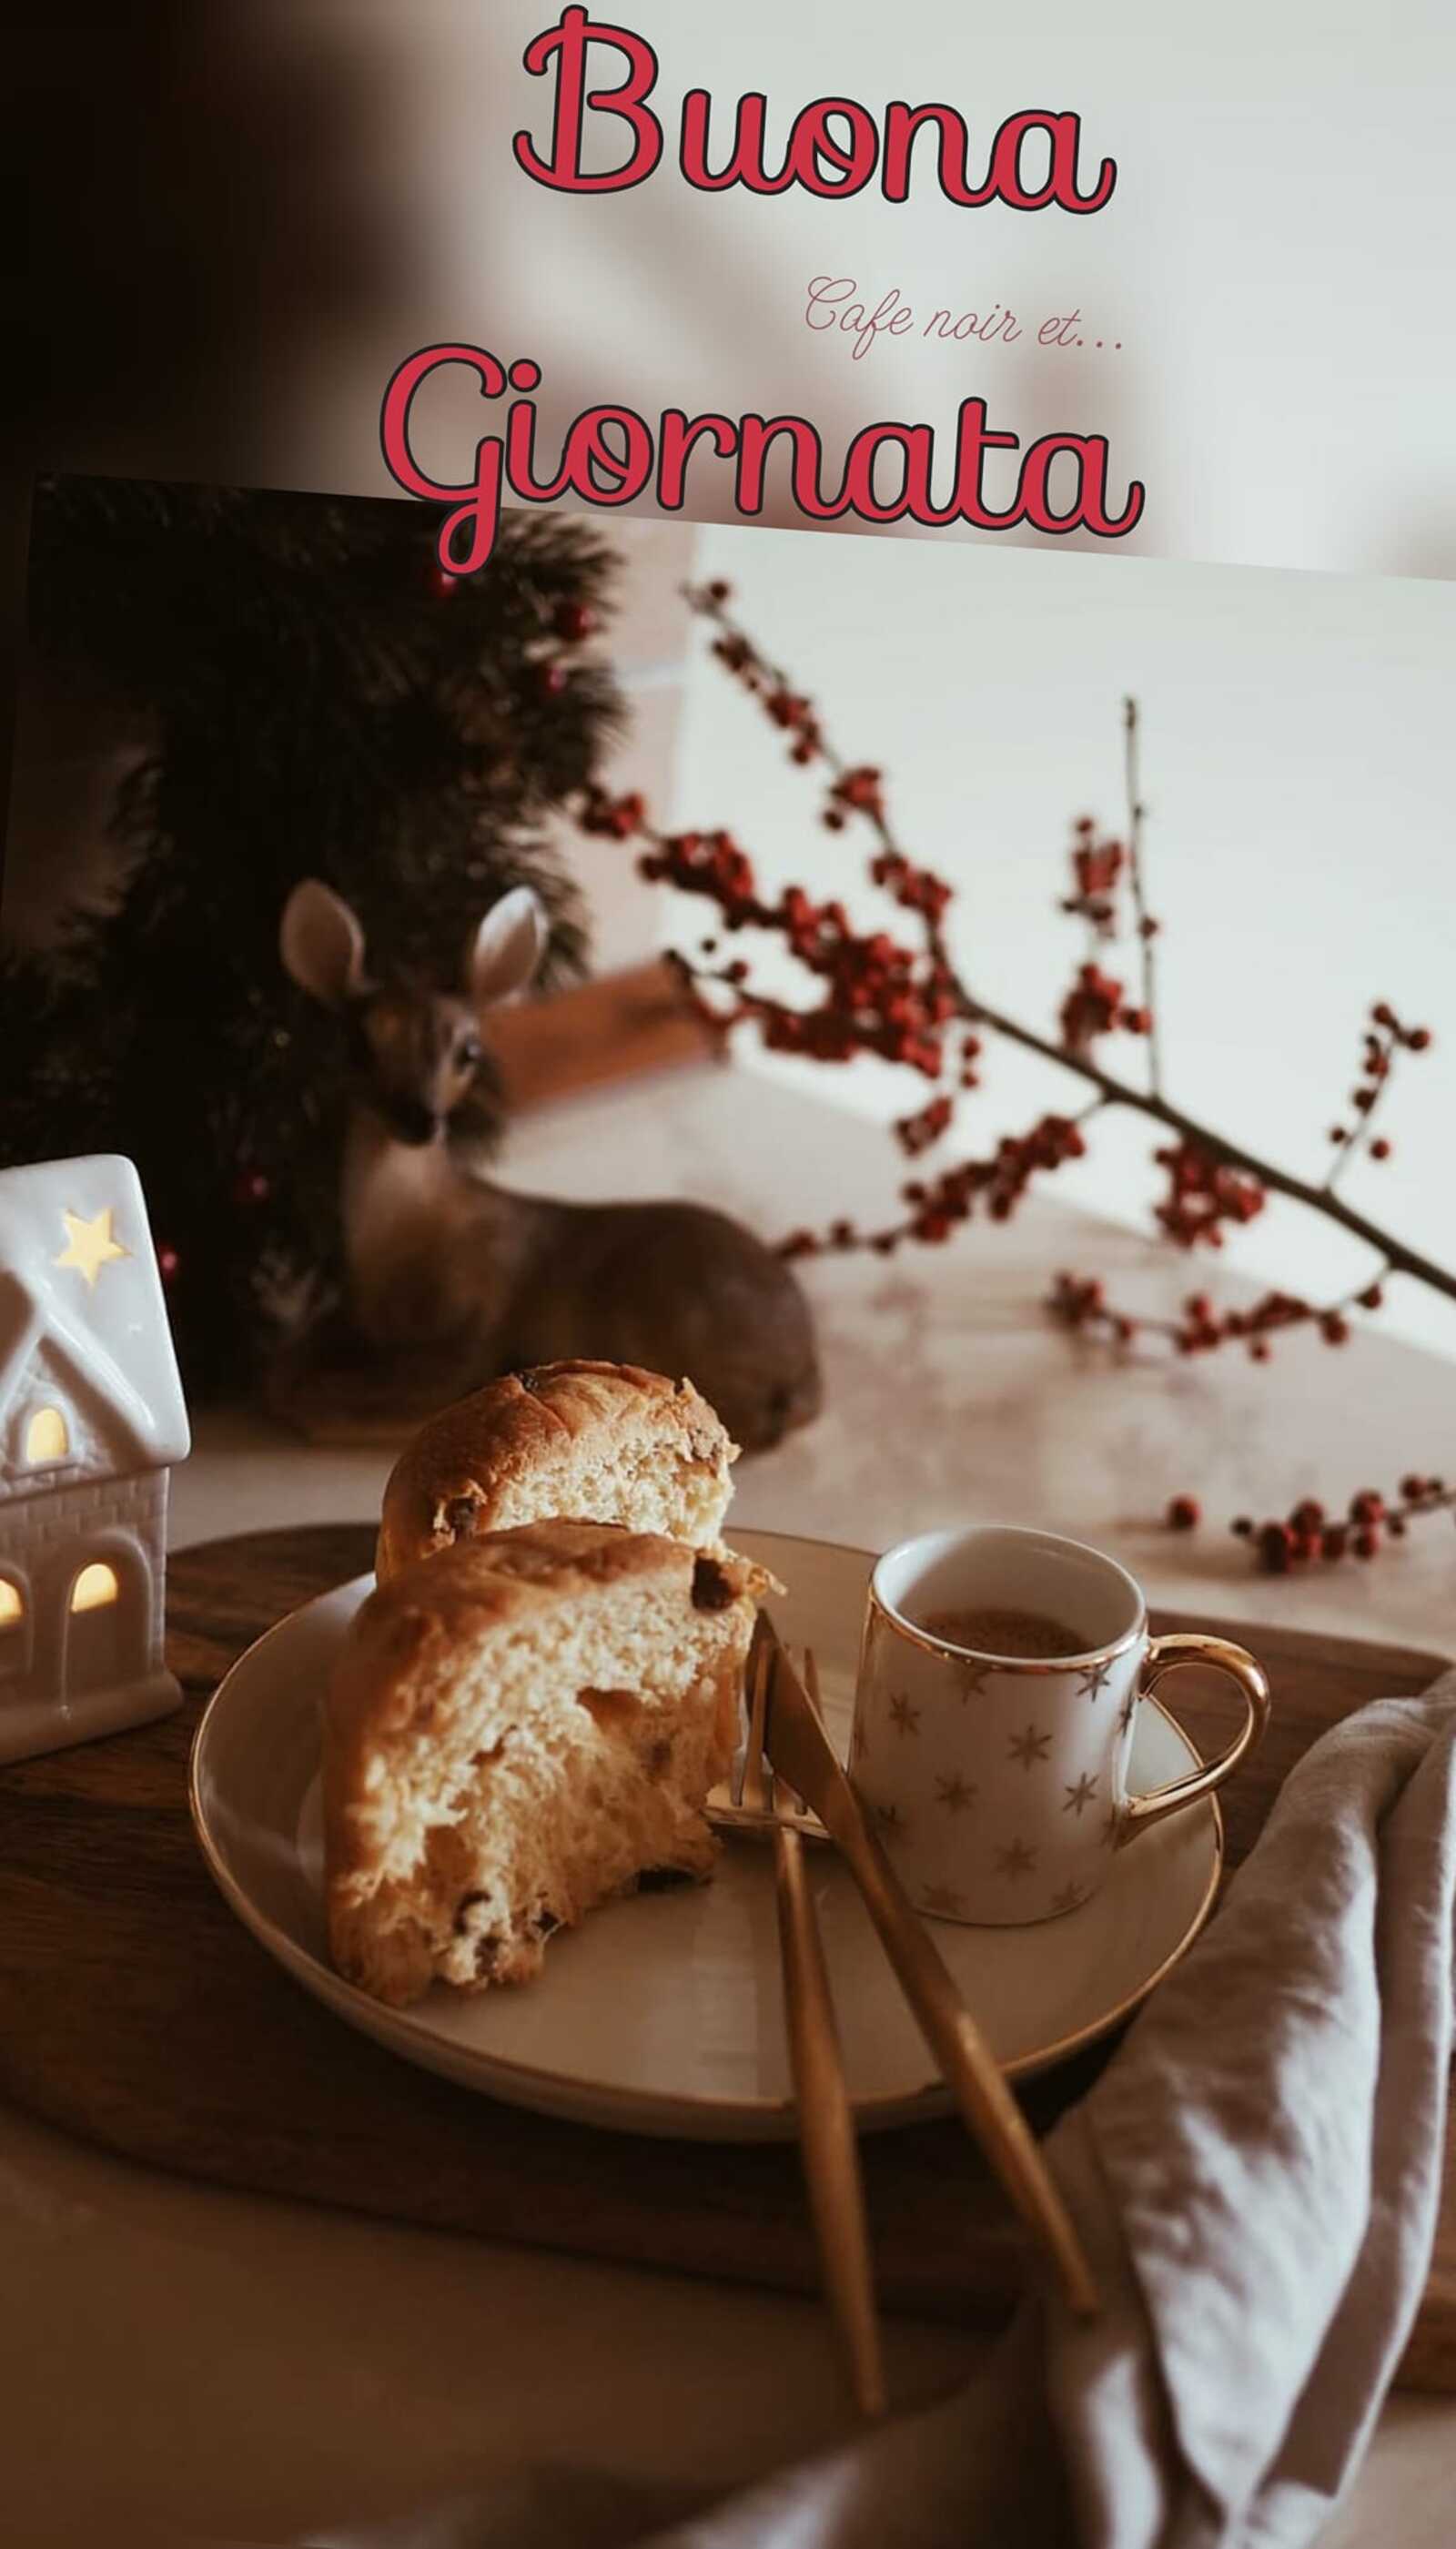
{"x": 46, "y": 1437}
{"x": 11, "y": 1628}
{"x": 93, "y": 1588}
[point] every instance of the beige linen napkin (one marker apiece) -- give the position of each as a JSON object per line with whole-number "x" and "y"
{"x": 1256, "y": 2174}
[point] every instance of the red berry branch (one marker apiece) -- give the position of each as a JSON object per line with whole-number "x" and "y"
{"x": 1385, "y": 1037}
{"x": 1080, "y": 1301}
{"x": 1309, "y": 1533}
{"x": 896, "y": 992}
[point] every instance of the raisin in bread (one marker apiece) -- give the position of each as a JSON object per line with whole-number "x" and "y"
{"x": 517, "y": 1729}
{"x": 600, "y": 1441}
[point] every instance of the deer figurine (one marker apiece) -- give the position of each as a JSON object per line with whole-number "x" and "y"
{"x": 451, "y": 1280}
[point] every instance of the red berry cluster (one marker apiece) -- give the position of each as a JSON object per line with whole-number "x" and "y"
{"x": 610, "y": 818}
{"x": 1308, "y": 1532}
{"x": 1203, "y": 1192}
{"x": 710, "y": 863}
{"x": 1203, "y": 1328}
{"x": 855, "y": 791}
{"x": 1097, "y": 867}
{"x": 797, "y": 715}
{"x": 1080, "y": 1301}
{"x": 921, "y": 1131}
{"x": 1094, "y": 1004}
{"x": 787, "y": 709}
{"x": 840, "y": 1235}
{"x": 899, "y": 1008}
{"x": 997, "y": 1184}
{"x": 736, "y": 652}
{"x": 879, "y": 998}
{"x": 1384, "y": 1038}
{"x": 570, "y": 625}
{"x": 913, "y": 889}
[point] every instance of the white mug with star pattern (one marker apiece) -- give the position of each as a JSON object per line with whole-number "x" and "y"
{"x": 999, "y": 1782}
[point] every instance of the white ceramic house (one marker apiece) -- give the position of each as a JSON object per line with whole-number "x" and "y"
{"x": 91, "y": 1419}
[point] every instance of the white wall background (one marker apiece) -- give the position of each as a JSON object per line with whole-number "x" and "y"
{"x": 1300, "y": 764}
{"x": 650, "y": 648}
{"x": 1275, "y": 259}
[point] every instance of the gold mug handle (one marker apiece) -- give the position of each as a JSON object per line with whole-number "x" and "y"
{"x": 1164, "y": 1655}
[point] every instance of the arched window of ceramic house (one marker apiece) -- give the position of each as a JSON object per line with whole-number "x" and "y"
{"x": 94, "y": 1588}
{"x": 12, "y": 1627}
{"x": 46, "y": 1437}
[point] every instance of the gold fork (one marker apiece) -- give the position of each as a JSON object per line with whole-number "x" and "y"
{"x": 759, "y": 1804}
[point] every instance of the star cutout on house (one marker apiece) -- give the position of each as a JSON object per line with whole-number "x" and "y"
{"x": 1069, "y": 1898}
{"x": 1016, "y": 1860}
{"x": 943, "y": 1898}
{"x": 904, "y": 1719}
{"x": 1128, "y": 1709}
{"x": 1080, "y": 1794}
{"x": 1094, "y": 1679}
{"x": 1028, "y": 1747}
{"x": 89, "y": 1245}
{"x": 891, "y": 1825}
{"x": 955, "y": 1793}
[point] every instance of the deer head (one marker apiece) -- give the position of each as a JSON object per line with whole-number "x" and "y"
{"x": 417, "y": 1047}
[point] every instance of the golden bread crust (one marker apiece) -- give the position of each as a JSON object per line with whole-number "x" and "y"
{"x": 466, "y": 1469}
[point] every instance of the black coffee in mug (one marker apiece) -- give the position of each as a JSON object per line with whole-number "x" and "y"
{"x": 1025, "y": 1634}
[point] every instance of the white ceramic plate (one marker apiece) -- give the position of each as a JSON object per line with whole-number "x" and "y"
{"x": 663, "y": 2014}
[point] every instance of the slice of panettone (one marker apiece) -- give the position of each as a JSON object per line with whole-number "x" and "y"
{"x": 517, "y": 1729}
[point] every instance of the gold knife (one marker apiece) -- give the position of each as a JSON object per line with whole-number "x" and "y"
{"x": 800, "y": 1749}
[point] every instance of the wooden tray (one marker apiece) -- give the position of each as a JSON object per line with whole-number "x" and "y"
{"x": 136, "y": 2012}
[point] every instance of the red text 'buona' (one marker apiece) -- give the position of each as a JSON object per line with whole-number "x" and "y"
{"x": 834, "y": 146}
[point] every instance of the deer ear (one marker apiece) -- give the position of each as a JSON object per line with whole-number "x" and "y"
{"x": 321, "y": 944}
{"x": 507, "y": 947}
